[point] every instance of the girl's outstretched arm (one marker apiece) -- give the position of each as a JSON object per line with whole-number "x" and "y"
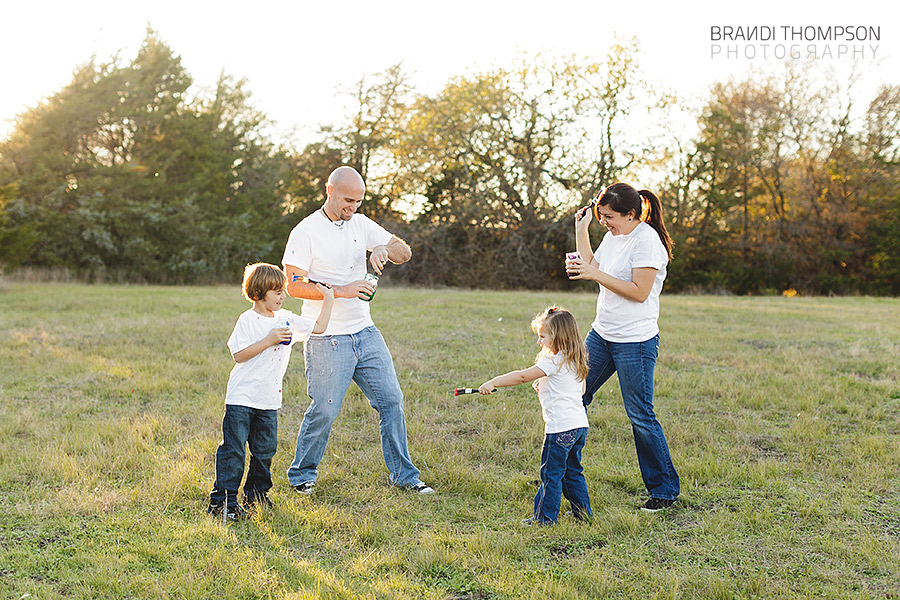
{"x": 511, "y": 378}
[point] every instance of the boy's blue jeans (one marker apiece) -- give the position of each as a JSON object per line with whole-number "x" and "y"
{"x": 635, "y": 363}
{"x": 562, "y": 475}
{"x": 256, "y": 428}
{"x": 332, "y": 362}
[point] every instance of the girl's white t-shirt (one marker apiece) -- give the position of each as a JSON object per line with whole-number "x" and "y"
{"x": 560, "y": 395}
{"x": 620, "y": 319}
{"x": 335, "y": 255}
{"x": 257, "y": 382}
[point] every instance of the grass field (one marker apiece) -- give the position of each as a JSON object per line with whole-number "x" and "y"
{"x": 781, "y": 415}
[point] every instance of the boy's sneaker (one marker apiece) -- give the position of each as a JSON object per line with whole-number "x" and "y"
{"x": 306, "y": 488}
{"x": 261, "y": 499}
{"x": 421, "y": 488}
{"x": 657, "y": 504}
{"x": 234, "y": 512}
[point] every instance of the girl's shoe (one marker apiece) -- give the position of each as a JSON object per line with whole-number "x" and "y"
{"x": 657, "y": 504}
{"x": 531, "y": 521}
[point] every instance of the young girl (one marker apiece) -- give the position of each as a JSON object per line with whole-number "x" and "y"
{"x": 558, "y": 375}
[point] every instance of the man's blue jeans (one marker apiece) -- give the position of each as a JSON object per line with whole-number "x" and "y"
{"x": 562, "y": 475}
{"x": 256, "y": 428}
{"x": 332, "y": 362}
{"x": 635, "y": 363}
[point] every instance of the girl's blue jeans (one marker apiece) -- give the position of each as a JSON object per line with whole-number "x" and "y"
{"x": 635, "y": 362}
{"x": 562, "y": 475}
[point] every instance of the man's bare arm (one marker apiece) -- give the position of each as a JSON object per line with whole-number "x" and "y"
{"x": 396, "y": 251}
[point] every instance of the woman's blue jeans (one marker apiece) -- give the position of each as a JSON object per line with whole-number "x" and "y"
{"x": 258, "y": 430}
{"x": 332, "y": 362}
{"x": 635, "y": 362}
{"x": 562, "y": 475}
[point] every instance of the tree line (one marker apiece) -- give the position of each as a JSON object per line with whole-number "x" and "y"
{"x": 780, "y": 183}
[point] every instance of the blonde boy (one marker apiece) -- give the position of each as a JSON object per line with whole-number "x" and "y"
{"x": 261, "y": 347}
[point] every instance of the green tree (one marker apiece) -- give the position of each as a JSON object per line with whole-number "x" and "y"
{"x": 500, "y": 159}
{"x": 73, "y": 159}
{"x": 124, "y": 170}
{"x": 789, "y": 190}
{"x": 378, "y": 114}
{"x": 15, "y": 241}
{"x": 882, "y": 186}
{"x": 309, "y": 171}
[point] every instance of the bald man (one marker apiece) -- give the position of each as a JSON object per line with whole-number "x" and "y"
{"x": 330, "y": 246}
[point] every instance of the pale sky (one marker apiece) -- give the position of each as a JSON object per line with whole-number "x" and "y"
{"x": 297, "y": 55}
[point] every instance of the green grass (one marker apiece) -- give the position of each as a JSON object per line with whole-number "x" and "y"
{"x": 781, "y": 415}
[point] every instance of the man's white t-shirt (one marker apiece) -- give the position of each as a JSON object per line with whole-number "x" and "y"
{"x": 620, "y": 319}
{"x": 337, "y": 256}
{"x": 560, "y": 395}
{"x": 257, "y": 382}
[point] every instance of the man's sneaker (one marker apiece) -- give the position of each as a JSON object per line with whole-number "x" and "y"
{"x": 261, "y": 499}
{"x": 657, "y": 504}
{"x": 421, "y": 488}
{"x": 234, "y": 511}
{"x": 306, "y": 488}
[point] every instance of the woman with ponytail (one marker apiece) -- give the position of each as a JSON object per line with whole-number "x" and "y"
{"x": 630, "y": 267}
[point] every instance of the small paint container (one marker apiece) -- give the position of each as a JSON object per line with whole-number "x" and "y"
{"x": 373, "y": 279}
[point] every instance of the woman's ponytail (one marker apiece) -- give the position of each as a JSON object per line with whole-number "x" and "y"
{"x": 644, "y": 204}
{"x": 651, "y": 214}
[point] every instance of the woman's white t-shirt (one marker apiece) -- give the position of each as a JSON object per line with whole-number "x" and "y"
{"x": 257, "y": 382}
{"x": 620, "y": 319}
{"x": 560, "y": 395}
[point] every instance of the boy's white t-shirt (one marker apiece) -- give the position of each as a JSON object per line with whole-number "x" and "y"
{"x": 620, "y": 319}
{"x": 335, "y": 255}
{"x": 560, "y": 395}
{"x": 256, "y": 383}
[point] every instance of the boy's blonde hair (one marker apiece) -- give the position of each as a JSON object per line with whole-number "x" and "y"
{"x": 563, "y": 338}
{"x": 261, "y": 278}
